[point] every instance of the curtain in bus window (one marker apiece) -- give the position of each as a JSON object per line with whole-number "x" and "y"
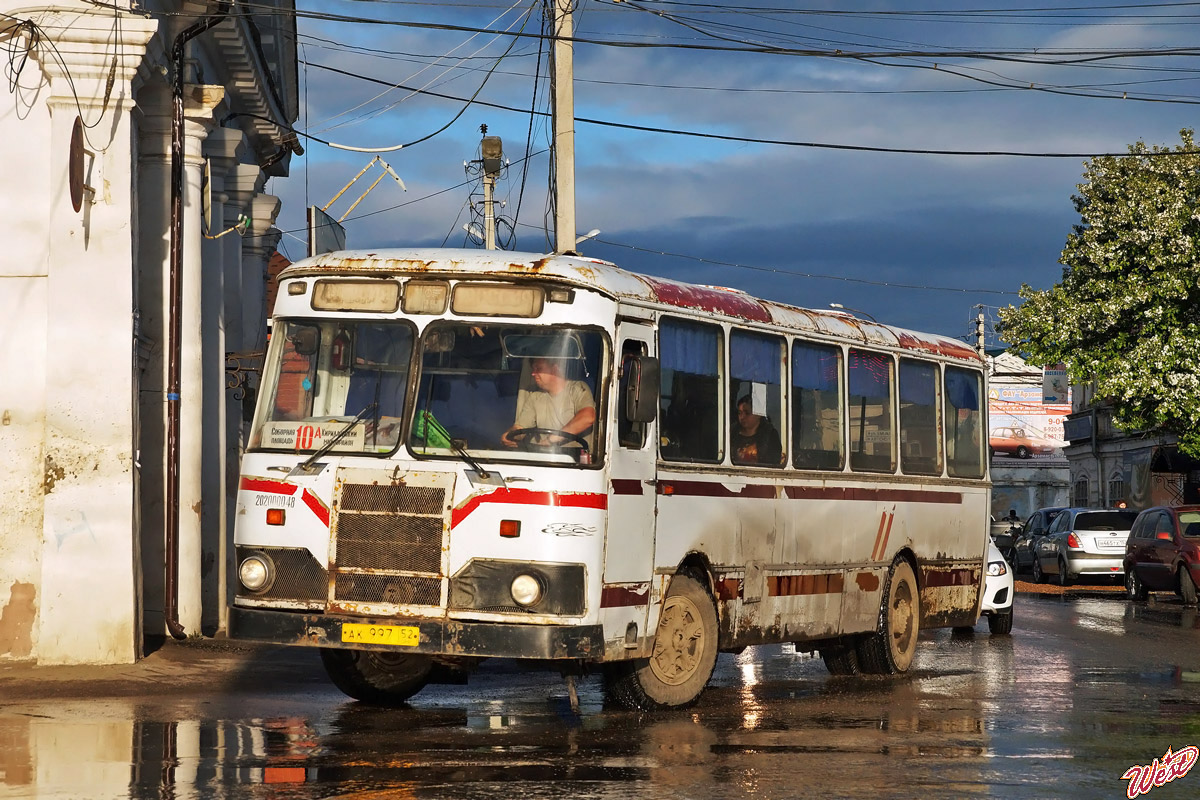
{"x": 964, "y": 423}
{"x": 755, "y": 392}
{"x": 920, "y": 441}
{"x": 690, "y": 403}
{"x": 816, "y": 407}
{"x": 870, "y": 406}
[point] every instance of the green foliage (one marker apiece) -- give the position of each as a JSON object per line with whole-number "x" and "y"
{"x": 1126, "y": 313}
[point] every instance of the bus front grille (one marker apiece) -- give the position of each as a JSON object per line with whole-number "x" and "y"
{"x": 389, "y": 539}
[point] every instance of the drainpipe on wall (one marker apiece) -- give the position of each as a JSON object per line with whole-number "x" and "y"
{"x": 178, "y": 50}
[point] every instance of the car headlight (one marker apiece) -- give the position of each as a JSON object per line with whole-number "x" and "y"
{"x": 256, "y": 573}
{"x": 526, "y": 590}
{"x": 997, "y": 568}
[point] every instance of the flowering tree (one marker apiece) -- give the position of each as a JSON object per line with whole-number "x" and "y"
{"x": 1126, "y": 313}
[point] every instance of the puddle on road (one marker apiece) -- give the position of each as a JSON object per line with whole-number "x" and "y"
{"x": 979, "y": 716}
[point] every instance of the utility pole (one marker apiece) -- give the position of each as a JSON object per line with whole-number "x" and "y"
{"x": 492, "y": 150}
{"x": 979, "y": 331}
{"x": 563, "y": 100}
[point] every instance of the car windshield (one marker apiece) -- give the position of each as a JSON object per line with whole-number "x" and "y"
{"x": 327, "y": 380}
{"x": 505, "y": 391}
{"x": 1105, "y": 520}
{"x": 1189, "y": 523}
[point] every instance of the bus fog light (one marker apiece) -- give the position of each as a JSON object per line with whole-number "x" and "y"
{"x": 526, "y": 590}
{"x": 256, "y": 573}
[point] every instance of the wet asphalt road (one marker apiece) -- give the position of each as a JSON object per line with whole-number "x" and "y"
{"x": 1085, "y": 688}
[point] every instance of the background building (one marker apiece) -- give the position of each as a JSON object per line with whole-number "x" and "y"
{"x": 100, "y": 139}
{"x": 1029, "y": 468}
{"x": 1111, "y": 466}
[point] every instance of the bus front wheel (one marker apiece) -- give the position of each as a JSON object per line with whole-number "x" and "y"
{"x": 378, "y": 678}
{"x": 891, "y": 648}
{"x": 684, "y": 654}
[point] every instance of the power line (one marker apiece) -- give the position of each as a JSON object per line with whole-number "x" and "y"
{"x": 749, "y": 139}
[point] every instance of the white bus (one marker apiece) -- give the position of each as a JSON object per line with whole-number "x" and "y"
{"x": 463, "y": 454}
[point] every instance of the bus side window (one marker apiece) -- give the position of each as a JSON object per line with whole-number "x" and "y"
{"x": 964, "y": 424}
{"x": 872, "y": 429}
{"x": 817, "y": 407}
{"x": 755, "y": 399}
{"x": 920, "y": 442}
{"x": 690, "y": 400}
{"x": 629, "y": 433}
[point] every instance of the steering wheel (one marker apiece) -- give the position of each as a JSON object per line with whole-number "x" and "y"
{"x": 523, "y": 437}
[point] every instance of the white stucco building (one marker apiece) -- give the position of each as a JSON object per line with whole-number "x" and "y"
{"x": 92, "y": 139}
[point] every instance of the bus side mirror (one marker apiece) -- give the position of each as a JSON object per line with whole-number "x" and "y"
{"x": 641, "y": 396}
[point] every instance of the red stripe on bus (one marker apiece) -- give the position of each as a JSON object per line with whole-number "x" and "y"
{"x": 713, "y": 489}
{"x": 793, "y": 585}
{"x": 937, "y": 577}
{"x": 878, "y": 536}
{"x": 763, "y": 491}
{"x": 626, "y": 486}
{"x": 624, "y": 595}
{"x": 314, "y": 503}
{"x": 268, "y": 486}
{"x": 872, "y": 495}
{"x": 528, "y": 497}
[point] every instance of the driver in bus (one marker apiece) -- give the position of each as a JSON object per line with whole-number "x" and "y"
{"x": 559, "y": 404}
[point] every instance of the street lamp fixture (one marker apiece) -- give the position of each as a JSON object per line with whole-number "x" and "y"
{"x": 840, "y": 307}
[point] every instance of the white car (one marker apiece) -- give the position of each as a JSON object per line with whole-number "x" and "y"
{"x": 998, "y": 590}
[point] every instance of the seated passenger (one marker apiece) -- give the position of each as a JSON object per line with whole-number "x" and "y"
{"x": 559, "y": 404}
{"x": 755, "y": 440}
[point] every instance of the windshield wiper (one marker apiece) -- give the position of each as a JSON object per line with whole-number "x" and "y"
{"x": 337, "y": 437}
{"x": 457, "y": 445}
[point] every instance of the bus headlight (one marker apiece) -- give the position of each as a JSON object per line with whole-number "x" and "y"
{"x": 256, "y": 573}
{"x": 526, "y": 590}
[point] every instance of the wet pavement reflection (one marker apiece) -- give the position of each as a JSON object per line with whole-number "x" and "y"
{"x": 1083, "y": 690}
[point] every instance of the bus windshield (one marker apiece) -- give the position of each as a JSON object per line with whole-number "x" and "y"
{"x": 509, "y": 391}
{"x": 331, "y": 379}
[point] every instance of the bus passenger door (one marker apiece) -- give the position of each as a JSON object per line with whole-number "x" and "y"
{"x": 632, "y": 492}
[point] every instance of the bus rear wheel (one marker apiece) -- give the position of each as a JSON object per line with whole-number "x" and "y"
{"x": 891, "y": 648}
{"x": 378, "y": 678}
{"x": 683, "y": 658}
{"x": 841, "y": 658}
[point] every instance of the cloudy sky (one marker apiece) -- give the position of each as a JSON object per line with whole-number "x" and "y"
{"x": 914, "y": 239}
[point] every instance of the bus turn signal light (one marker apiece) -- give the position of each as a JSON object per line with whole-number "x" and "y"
{"x": 510, "y": 528}
{"x": 274, "y": 516}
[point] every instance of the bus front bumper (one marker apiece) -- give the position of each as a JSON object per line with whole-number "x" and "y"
{"x": 436, "y": 637}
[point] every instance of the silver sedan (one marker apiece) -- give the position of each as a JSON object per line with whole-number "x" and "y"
{"x": 1083, "y": 541}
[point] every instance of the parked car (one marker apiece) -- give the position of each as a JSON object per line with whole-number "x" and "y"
{"x": 1163, "y": 553}
{"x": 1083, "y": 541}
{"x": 1020, "y": 442}
{"x": 1037, "y": 526}
{"x": 998, "y": 590}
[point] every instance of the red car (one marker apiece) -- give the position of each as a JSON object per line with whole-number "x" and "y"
{"x": 1163, "y": 553}
{"x": 1020, "y": 442}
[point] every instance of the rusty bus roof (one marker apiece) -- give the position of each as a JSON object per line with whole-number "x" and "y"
{"x": 608, "y": 278}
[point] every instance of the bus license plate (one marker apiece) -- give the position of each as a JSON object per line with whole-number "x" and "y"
{"x": 401, "y": 635}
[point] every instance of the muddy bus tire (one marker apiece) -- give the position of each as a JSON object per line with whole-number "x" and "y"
{"x": 378, "y": 678}
{"x": 685, "y": 652}
{"x": 841, "y": 658}
{"x": 891, "y": 648}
